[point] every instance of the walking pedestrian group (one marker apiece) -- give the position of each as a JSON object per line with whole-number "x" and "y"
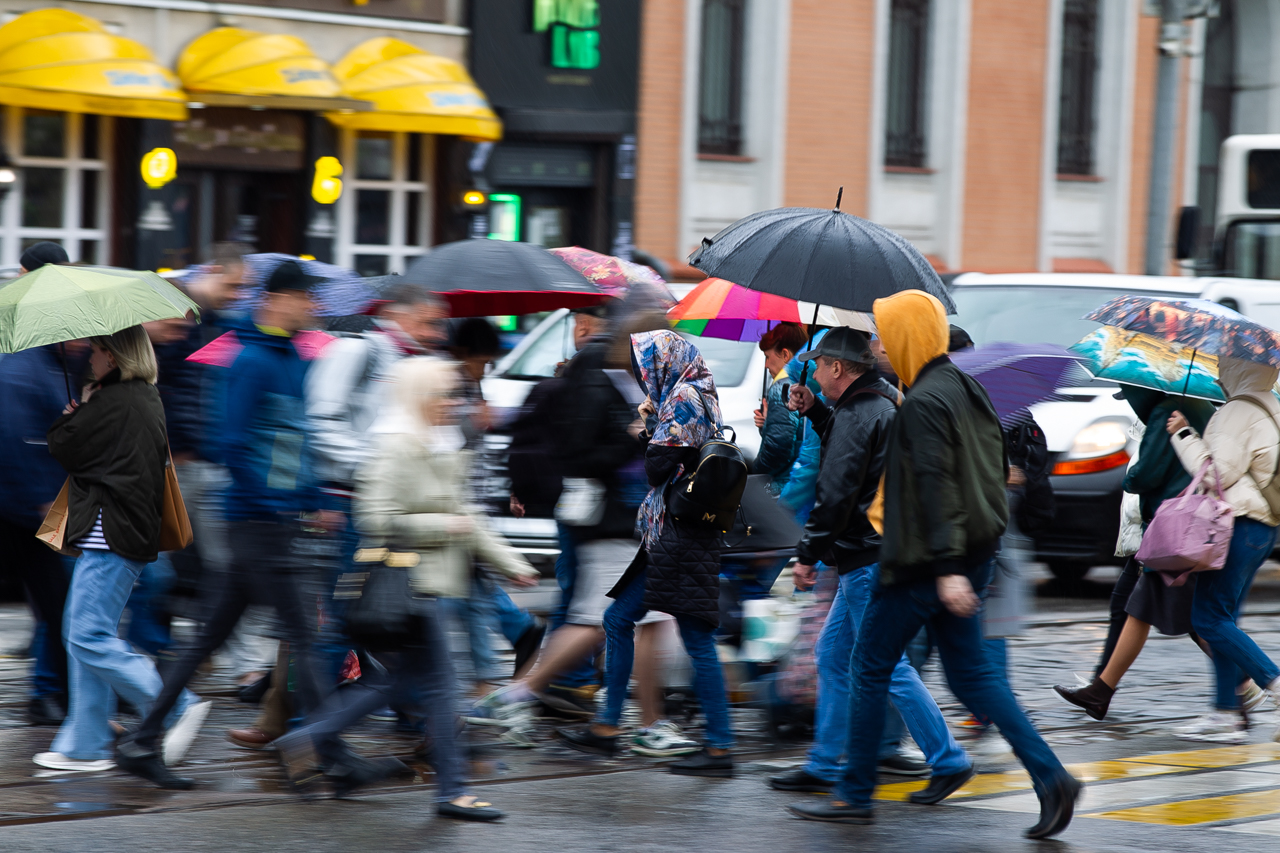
{"x": 313, "y": 475}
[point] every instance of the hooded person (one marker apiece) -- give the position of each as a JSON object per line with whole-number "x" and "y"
{"x": 1141, "y": 599}
{"x": 944, "y": 510}
{"x": 677, "y": 568}
{"x": 1242, "y": 443}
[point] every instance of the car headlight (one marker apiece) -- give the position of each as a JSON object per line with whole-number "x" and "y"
{"x": 1100, "y": 438}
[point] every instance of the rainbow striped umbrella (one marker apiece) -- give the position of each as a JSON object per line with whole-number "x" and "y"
{"x": 721, "y": 309}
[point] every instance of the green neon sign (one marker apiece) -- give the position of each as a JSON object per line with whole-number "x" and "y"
{"x": 575, "y": 39}
{"x": 504, "y": 217}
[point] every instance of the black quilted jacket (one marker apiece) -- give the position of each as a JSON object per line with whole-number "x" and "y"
{"x": 684, "y": 564}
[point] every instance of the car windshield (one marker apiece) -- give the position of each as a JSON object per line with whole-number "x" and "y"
{"x": 1031, "y": 313}
{"x": 727, "y": 360}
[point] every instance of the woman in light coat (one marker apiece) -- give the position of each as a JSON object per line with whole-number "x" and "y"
{"x": 1242, "y": 440}
{"x": 411, "y": 497}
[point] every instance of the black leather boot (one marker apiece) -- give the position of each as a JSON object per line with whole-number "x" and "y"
{"x": 1095, "y": 699}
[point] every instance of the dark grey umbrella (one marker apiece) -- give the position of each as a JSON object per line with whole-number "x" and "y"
{"x": 486, "y": 277}
{"x": 827, "y": 257}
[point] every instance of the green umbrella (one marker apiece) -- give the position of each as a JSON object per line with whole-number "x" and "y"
{"x": 63, "y": 303}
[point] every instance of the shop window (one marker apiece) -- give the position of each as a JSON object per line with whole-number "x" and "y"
{"x": 382, "y": 214}
{"x": 1078, "y": 87}
{"x": 720, "y": 77}
{"x": 904, "y": 130}
{"x": 62, "y": 192}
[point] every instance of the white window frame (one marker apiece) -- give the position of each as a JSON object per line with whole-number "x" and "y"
{"x": 74, "y": 164}
{"x": 399, "y": 255}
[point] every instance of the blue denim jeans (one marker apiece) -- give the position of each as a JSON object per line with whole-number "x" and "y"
{"x": 583, "y": 673}
{"x": 102, "y": 666}
{"x": 1215, "y": 609}
{"x": 331, "y": 641}
{"x": 910, "y": 697}
{"x": 148, "y": 623}
{"x": 892, "y": 618}
{"x": 699, "y": 641}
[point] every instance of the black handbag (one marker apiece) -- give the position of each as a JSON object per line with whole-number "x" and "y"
{"x": 381, "y": 614}
{"x": 709, "y": 496}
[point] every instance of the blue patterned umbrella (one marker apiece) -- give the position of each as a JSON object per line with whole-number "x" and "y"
{"x": 1016, "y": 376}
{"x": 1197, "y": 324}
{"x": 340, "y": 294}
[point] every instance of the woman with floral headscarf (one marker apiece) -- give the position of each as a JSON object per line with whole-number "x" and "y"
{"x": 677, "y": 570}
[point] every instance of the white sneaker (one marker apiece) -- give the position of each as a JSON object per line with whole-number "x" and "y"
{"x": 58, "y": 761}
{"x": 663, "y": 739}
{"x": 183, "y": 733}
{"x": 1252, "y": 697}
{"x": 1214, "y": 728}
{"x": 495, "y": 710}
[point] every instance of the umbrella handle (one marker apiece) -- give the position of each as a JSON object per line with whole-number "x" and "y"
{"x": 1190, "y": 366}
{"x": 804, "y": 371}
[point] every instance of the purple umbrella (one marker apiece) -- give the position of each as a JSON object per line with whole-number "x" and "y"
{"x": 1016, "y": 376}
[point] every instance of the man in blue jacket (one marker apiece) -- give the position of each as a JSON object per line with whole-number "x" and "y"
{"x": 33, "y": 392}
{"x": 266, "y": 451}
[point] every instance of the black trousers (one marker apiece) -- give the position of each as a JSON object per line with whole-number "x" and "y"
{"x": 263, "y": 571}
{"x": 45, "y": 578}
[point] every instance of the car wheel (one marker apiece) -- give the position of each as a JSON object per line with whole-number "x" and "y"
{"x": 1069, "y": 571}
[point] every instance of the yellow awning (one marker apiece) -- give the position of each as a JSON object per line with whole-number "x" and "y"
{"x": 57, "y": 60}
{"x": 413, "y": 91}
{"x": 234, "y": 67}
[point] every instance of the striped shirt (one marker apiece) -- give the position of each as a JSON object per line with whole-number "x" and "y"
{"x": 94, "y": 540}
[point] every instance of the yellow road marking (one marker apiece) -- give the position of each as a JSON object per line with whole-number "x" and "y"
{"x": 1226, "y": 756}
{"x": 1209, "y": 810}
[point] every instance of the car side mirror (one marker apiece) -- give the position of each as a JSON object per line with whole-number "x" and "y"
{"x": 1188, "y": 227}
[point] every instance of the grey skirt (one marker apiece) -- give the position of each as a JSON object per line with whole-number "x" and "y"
{"x": 1168, "y": 608}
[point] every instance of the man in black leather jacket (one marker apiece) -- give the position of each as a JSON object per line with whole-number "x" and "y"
{"x": 854, "y": 436}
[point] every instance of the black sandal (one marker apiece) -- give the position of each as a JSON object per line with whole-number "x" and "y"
{"x": 476, "y": 811}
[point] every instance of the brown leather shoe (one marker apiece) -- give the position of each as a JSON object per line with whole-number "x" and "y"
{"x": 250, "y": 738}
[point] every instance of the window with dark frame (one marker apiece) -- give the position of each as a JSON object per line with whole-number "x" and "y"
{"x": 1078, "y": 87}
{"x": 904, "y": 142}
{"x": 720, "y": 79}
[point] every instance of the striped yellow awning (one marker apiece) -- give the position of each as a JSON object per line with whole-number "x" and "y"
{"x": 58, "y": 60}
{"x": 414, "y": 91}
{"x": 231, "y": 66}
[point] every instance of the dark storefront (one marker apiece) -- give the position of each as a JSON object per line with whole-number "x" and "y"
{"x": 562, "y": 74}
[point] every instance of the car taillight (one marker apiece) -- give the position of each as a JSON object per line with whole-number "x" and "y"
{"x": 1092, "y": 466}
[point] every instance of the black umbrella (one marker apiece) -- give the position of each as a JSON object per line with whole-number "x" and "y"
{"x": 486, "y": 277}
{"x": 827, "y": 257}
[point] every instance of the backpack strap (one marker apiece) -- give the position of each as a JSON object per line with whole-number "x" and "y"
{"x": 1247, "y": 399}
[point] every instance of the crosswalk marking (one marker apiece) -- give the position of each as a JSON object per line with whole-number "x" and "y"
{"x": 1131, "y": 784}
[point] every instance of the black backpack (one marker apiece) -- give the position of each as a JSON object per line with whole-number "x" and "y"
{"x": 709, "y": 496}
{"x": 1029, "y": 451}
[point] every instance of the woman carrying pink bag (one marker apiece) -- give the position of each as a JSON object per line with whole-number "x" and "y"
{"x": 1242, "y": 440}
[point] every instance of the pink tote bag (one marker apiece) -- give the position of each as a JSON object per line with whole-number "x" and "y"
{"x": 1190, "y": 532}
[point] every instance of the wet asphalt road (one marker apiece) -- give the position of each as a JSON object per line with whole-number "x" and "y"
{"x": 1192, "y": 796}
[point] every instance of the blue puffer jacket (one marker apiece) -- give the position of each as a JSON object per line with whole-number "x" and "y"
{"x": 33, "y": 393}
{"x": 800, "y": 490}
{"x": 265, "y": 429}
{"x": 779, "y": 437}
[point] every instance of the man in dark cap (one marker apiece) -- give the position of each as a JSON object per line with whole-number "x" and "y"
{"x": 854, "y": 433}
{"x": 42, "y": 253}
{"x": 265, "y": 442}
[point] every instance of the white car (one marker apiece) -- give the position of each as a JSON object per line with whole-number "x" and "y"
{"x": 1088, "y": 431}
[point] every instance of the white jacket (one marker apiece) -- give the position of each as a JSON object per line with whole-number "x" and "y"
{"x": 1242, "y": 441}
{"x": 346, "y": 389}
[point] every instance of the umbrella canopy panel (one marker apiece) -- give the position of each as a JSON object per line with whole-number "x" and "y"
{"x": 231, "y": 66}
{"x": 58, "y": 60}
{"x": 62, "y": 303}
{"x": 720, "y": 309}
{"x": 1195, "y": 323}
{"x": 827, "y": 257}
{"x": 1016, "y": 376}
{"x": 613, "y": 275}
{"x": 486, "y": 277}
{"x": 413, "y": 91}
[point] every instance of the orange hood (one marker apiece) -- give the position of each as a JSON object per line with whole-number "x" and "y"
{"x": 913, "y": 328}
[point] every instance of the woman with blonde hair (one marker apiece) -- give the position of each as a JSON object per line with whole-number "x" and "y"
{"x": 113, "y": 447}
{"x": 411, "y": 497}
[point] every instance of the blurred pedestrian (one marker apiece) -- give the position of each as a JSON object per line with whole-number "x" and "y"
{"x": 781, "y": 429}
{"x": 1140, "y": 598}
{"x": 410, "y": 497}
{"x": 113, "y": 447}
{"x": 39, "y": 254}
{"x": 944, "y": 511}
{"x": 267, "y": 451}
{"x": 33, "y": 393}
{"x": 1242, "y": 443}
{"x": 678, "y": 565}
{"x": 854, "y": 434}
